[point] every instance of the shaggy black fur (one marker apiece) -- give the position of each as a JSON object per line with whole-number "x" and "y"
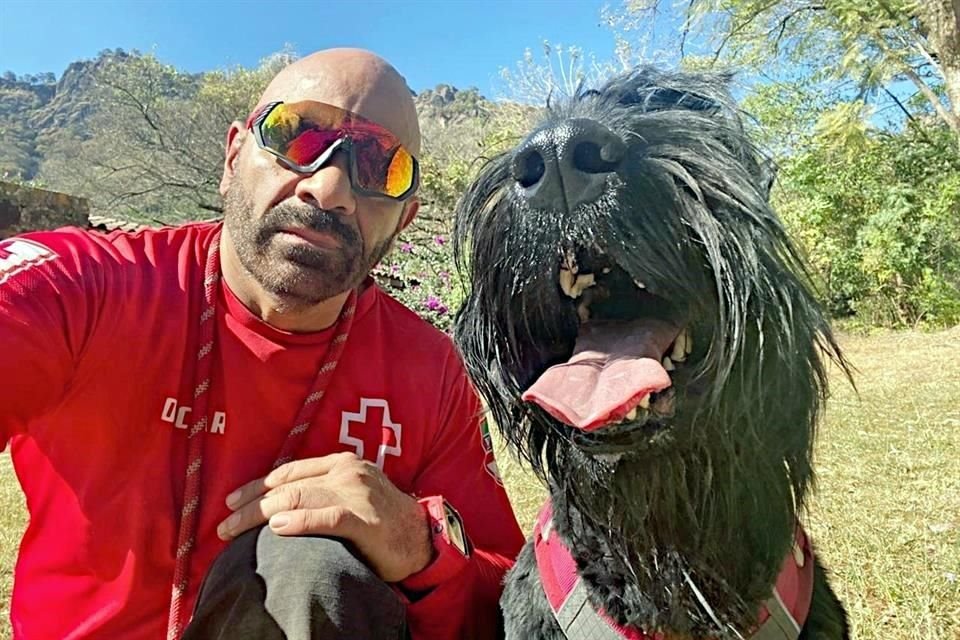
{"x": 678, "y": 520}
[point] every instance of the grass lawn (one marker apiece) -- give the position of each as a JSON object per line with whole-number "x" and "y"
{"x": 886, "y": 518}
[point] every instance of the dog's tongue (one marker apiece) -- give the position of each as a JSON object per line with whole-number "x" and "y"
{"x": 614, "y": 364}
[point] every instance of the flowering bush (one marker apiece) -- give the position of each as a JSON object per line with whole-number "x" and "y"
{"x": 420, "y": 271}
{"x": 421, "y": 274}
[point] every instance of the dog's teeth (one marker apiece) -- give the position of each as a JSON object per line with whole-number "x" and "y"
{"x": 644, "y": 402}
{"x": 574, "y": 285}
{"x": 639, "y": 284}
{"x": 688, "y": 341}
{"x": 679, "y": 353}
{"x": 631, "y": 415}
{"x": 668, "y": 364}
{"x": 606, "y": 270}
{"x": 585, "y": 281}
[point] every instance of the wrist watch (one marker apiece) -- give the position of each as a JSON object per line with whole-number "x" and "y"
{"x": 451, "y": 546}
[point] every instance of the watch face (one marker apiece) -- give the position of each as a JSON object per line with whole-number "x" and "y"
{"x": 455, "y": 532}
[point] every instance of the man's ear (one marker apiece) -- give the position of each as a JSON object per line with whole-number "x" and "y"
{"x": 410, "y": 208}
{"x": 235, "y": 138}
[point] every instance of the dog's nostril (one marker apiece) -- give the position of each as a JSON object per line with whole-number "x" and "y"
{"x": 528, "y": 168}
{"x": 590, "y": 157}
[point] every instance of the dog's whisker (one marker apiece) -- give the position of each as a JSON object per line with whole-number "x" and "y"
{"x": 700, "y": 598}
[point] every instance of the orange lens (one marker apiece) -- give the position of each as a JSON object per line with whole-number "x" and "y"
{"x": 400, "y": 173}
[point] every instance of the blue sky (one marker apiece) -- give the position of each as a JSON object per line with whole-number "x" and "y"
{"x": 459, "y": 42}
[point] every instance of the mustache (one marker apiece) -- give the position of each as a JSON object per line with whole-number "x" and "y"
{"x": 287, "y": 215}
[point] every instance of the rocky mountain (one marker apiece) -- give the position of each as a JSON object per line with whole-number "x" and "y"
{"x": 34, "y": 109}
{"x": 38, "y": 110}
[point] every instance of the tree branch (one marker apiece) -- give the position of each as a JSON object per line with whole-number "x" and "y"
{"x": 736, "y": 30}
{"x": 909, "y": 115}
{"x": 951, "y": 120}
{"x": 686, "y": 30}
{"x": 786, "y": 19}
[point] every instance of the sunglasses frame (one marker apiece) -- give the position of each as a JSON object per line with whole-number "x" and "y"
{"x": 345, "y": 143}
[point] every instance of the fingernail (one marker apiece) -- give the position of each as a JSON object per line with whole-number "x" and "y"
{"x": 233, "y": 498}
{"x": 225, "y": 530}
{"x": 279, "y": 522}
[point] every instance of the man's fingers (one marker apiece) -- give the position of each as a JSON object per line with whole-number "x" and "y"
{"x": 289, "y": 497}
{"x": 284, "y": 474}
{"x": 330, "y": 521}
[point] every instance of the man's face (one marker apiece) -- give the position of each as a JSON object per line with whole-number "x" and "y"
{"x": 306, "y": 237}
{"x": 299, "y": 250}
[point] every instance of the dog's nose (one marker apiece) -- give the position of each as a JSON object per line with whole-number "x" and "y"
{"x": 566, "y": 165}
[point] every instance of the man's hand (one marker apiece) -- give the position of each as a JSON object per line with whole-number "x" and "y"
{"x": 337, "y": 495}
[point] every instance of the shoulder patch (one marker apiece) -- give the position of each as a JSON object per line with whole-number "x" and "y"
{"x": 489, "y": 460}
{"x": 17, "y": 255}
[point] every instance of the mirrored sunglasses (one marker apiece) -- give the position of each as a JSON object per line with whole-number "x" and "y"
{"x": 305, "y": 135}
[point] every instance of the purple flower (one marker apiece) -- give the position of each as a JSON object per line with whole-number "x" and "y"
{"x": 440, "y": 240}
{"x": 435, "y": 304}
{"x": 406, "y": 247}
{"x": 394, "y": 268}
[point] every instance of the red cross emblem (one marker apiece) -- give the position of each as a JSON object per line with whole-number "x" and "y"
{"x": 370, "y": 431}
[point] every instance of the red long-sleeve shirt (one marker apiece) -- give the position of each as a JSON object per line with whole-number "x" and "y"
{"x": 98, "y": 339}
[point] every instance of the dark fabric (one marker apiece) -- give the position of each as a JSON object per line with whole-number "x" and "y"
{"x": 269, "y": 587}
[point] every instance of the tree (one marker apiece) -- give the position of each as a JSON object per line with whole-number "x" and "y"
{"x": 152, "y": 148}
{"x": 899, "y": 53}
{"x": 878, "y": 218}
{"x": 859, "y": 103}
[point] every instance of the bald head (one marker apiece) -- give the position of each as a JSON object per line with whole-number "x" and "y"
{"x": 356, "y": 80}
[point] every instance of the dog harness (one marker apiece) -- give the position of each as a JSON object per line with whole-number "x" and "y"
{"x": 781, "y": 617}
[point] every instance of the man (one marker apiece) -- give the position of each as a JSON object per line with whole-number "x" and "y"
{"x": 151, "y": 381}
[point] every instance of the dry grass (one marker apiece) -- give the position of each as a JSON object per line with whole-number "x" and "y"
{"x": 886, "y": 517}
{"x": 13, "y": 517}
{"x": 887, "y": 514}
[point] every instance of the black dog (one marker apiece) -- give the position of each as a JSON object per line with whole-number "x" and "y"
{"x": 644, "y": 334}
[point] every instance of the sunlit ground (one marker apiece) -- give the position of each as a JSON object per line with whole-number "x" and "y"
{"x": 886, "y": 519}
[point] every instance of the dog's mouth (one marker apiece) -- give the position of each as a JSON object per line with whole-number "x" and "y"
{"x": 615, "y": 389}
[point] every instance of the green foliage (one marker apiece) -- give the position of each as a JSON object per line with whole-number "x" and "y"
{"x": 152, "y": 148}
{"x": 858, "y": 101}
{"x": 20, "y": 96}
{"x": 902, "y": 55}
{"x": 460, "y": 133}
{"x": 421, "y": 274}
{"x": 879, "y": 220}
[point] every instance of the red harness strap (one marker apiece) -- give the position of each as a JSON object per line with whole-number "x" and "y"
{"x": 781, "y": 616}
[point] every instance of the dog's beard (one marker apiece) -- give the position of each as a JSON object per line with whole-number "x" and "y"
{"x": 689, "y": 534}
{"x": 696, "y": 532}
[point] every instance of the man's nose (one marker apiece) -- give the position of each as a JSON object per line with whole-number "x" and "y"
{"x": 329, "y": 187}
{"x": 567, "y": 164}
